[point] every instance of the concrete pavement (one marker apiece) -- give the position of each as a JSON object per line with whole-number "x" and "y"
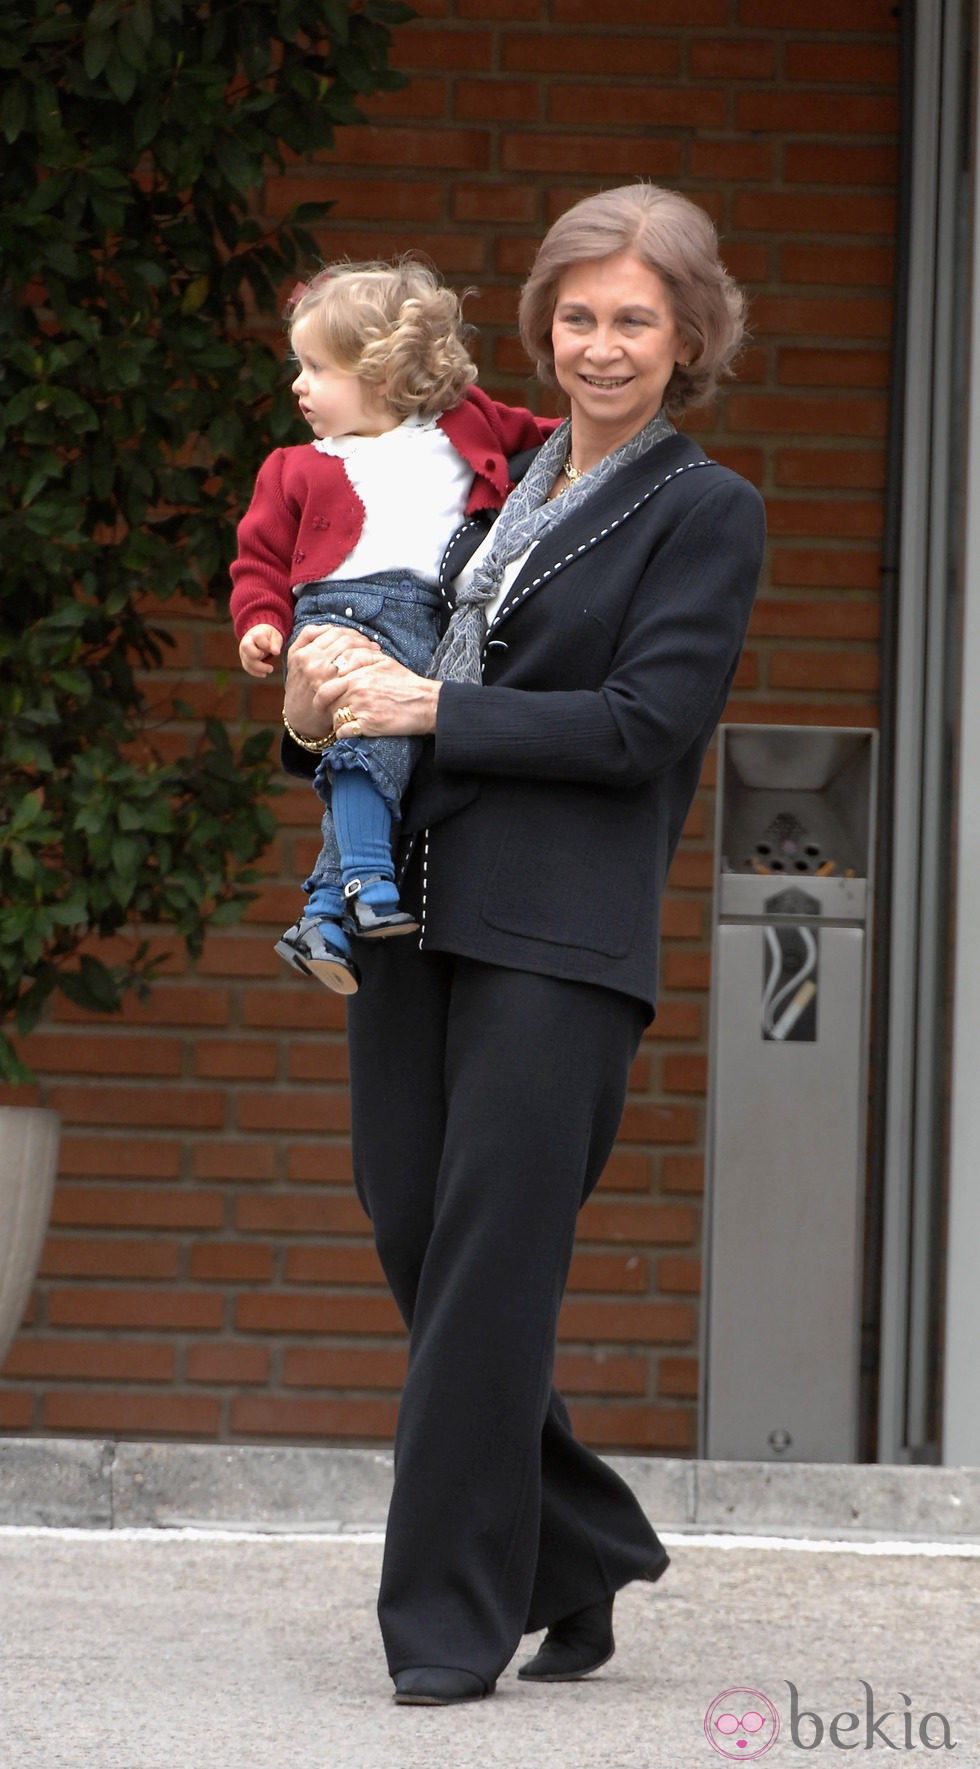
{"x": 227, "y": 1648}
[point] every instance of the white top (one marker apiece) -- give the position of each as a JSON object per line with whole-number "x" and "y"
{"x": 414, "y": 486}
{"x": 465, "y": 577}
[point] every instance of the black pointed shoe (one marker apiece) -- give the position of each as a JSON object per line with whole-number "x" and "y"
{"x": 435, "y": 1686}
{"x": 573, "y": 1647}
{"x": 370, "y": 923}
{"x": 304, "y": 947}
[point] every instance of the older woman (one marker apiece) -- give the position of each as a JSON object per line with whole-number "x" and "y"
{"x": 597, "y": 628}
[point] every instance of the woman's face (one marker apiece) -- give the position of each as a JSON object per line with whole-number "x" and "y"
{"x": 616, "y": 345}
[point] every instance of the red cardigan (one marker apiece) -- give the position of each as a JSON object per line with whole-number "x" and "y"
{"x": 305, "y": 516}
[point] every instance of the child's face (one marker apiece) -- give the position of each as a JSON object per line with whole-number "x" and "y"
{"x": 334, "y": 401}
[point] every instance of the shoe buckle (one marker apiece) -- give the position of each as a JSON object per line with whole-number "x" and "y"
{"x": 353, "y": 889}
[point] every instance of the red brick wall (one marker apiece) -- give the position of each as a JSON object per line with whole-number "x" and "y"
{"x": 208, "y": 1272}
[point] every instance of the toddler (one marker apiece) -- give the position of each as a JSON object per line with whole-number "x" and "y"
{"x": 350, "y": 530}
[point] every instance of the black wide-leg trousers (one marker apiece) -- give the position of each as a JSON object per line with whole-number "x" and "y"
{"x": 485, "y": 1104}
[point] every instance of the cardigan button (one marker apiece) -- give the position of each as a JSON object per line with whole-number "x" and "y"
{"x": 349, "y": 613}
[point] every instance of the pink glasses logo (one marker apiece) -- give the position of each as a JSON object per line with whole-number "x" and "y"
{"x": 741, "y": 1724}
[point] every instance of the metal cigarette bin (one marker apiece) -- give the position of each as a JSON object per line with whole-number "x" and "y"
{"x": 781, "y": 1321}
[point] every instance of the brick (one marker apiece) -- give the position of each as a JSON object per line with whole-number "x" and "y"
{"x": 636, "y": 1223}
{"x": 787, "y": 112}
{"x": 853, "y": 469}
{"x": 187, "y": 1107}
{"x": 291, "y": 1314}
{"x": 322, "y": 1163}
{"x": 261, "y": 1416}
{"x": 692, "y": 869}
{"x": 494, "y": 203}
{"x": 188, "y": 1311}
{"x": 456, "y": 253}
{"x": 645, "y": 13}
{"x": 730, "y": 159}
{"x": 467, "y": 149}
{"x": 627, "y": 1320}
{"x": 600, "y": 1373}
{"x": 658, "y": 1124}
{"x": 367, "y": 199}
{"x": 421, "y": 100}
{"x": 291, "y": 1213}
{"x": 687, "y": 970}
{"x": 800, "y": 212}
{"x": 683, "y": 1173}
{"x": 496, "y": 101}
{"x": 681, "y": 920}
{"x": 348, "y": 1366}
{"x": 97, "y": 1256}
{"x": 292, "y": 1111}
{"x": 118, "y": 1413}
{"x": 798, "y": 413}
{"x": 853, "y": 266}
{"x": 848, "y": 518}
{"x": 596, "y": 1273}
{"x": 347, "y": 1264}
{"x": 322, "y": 1061}
{"x": 824, "y": 568}
{"x": 90, "y": 1360}
{"x": 239, "y": 955}
{"x": 834, "y": 368}
{"x": 235, "y": 1059}
{"x": 425, "y": 48}
{"x": 594, "y": 156}
{"x": 685, "y": 1074}
{"x": 106, "y": 1157}
{"x": 292, "y": 1009}
{"x": 648, "y": 1427}
{"x": 679, "y": 1274}
{"x": 825, "y": 163}
{"x": 645, "y": 106}
{"x": 502, "y": 9}
{"x": 677, "y": 1019}
{"x": 16, "y": 1412}
{"x": 678, "y": 1376}
{"x": 626, "y": 1171}
{"x": 63, "y": 1053}
{"x": 234, "y": 1262}
{"x": 849, "y": 316}
{"x": 243, "y": 1161}
{"x": 126, "y": 1206}
{"x": 176, "y": 1004}
{"x": 552, "y": 52}
{"x": 826, "y": 619}
{"x": 732, "y": 58}
{"x": 846, "y": 670}
{"x": 223, "y": 1365}
{"x": 844, "y": 64}
{"x": 872, "y": 16}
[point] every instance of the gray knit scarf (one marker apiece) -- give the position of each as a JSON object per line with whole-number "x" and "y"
{"x": 525, "y": 518}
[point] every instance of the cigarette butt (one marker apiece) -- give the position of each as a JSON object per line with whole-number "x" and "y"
{"x": 826, "y": 869}
{"x": 757, "y": 864}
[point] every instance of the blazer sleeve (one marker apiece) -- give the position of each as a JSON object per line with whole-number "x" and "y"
{"x": 674, "y": 658}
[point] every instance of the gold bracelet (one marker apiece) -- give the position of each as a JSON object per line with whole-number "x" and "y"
{"x": 315, "y": 745}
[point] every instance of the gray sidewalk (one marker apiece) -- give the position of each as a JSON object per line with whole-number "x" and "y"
{"x": 129, "y": 1640}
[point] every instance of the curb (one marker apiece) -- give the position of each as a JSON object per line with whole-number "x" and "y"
{"x": 94, "y": 1483}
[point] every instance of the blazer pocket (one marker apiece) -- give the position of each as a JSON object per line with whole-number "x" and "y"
{"x": 574, "y": 870}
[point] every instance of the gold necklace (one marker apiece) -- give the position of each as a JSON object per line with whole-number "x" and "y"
{"x": 570, "y": 471}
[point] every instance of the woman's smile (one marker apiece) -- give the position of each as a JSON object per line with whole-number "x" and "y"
{"x": 616, "y": 345}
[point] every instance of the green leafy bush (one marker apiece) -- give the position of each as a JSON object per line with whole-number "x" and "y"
{"x": 136, "y": 401}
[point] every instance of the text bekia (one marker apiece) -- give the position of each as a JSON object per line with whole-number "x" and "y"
{"x": 897, "y": 1728}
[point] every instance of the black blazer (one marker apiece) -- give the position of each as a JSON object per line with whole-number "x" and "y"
{"x": 551, "y": 799}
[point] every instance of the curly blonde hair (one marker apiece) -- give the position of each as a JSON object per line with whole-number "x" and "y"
{"x": 671, "y": 236}
{"x": 396, "y": 326}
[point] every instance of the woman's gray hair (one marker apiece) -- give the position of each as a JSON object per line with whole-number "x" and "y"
{"x": 671, "y": 236}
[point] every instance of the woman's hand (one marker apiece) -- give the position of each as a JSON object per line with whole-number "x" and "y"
{"x": 314, "y": 688}
{"x": 386, "y": 699}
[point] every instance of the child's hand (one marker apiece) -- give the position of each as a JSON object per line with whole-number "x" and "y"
{"x": 259, "y": 650}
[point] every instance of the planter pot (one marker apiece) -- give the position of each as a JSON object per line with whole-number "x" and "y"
{"x": 28, "y": 1163}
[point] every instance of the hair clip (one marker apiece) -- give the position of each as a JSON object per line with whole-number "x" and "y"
{"x": 297, "y": 293}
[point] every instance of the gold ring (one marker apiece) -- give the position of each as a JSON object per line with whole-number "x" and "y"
{"x": 344, "y": 716}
